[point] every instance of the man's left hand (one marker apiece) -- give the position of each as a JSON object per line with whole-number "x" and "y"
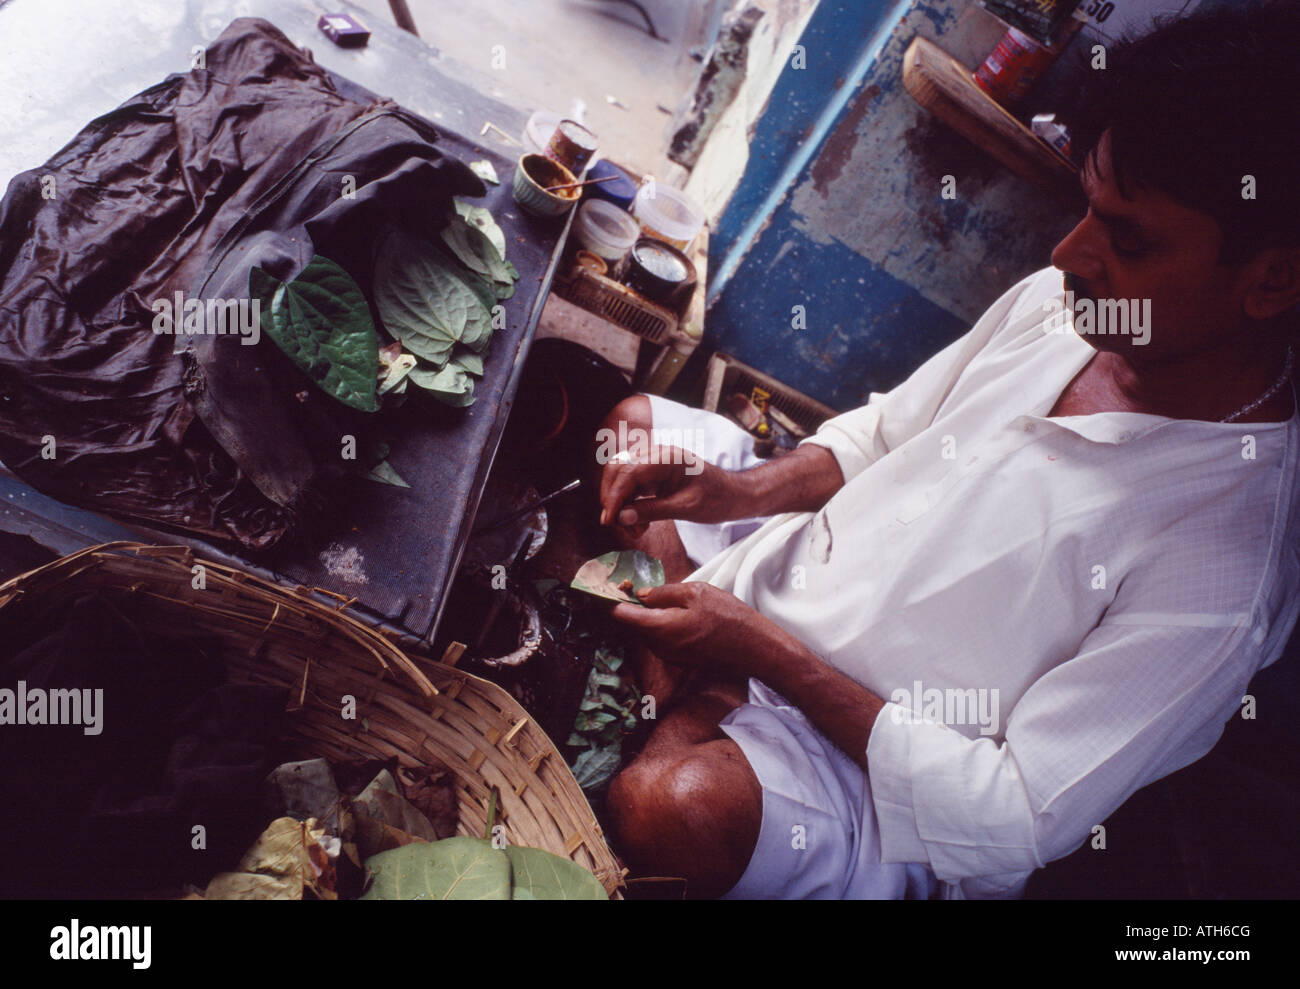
{"x": 697, "y": 625}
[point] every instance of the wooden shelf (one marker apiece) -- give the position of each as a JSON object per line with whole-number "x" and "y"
{"x": 946, "y": 88}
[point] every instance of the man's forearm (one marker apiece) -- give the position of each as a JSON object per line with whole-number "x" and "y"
{"x": 841, "y": 708}
{"x": 800, "y": 481}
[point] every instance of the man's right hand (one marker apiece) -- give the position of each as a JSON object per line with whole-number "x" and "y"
{"x": 679, "y": 485}
{"x": 682, "y": 486}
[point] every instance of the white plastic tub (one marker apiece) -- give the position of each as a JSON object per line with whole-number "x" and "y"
{"x": 606, "y": 231}
{"x": 667, "y": 214}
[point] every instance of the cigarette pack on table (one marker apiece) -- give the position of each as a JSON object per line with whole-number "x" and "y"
{"x": 344, "y": 30}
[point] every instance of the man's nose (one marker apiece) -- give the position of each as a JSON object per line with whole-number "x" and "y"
{"x": 1078, "y": 252}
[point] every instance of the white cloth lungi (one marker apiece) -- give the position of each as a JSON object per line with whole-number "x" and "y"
{"x": 818, "y": 837}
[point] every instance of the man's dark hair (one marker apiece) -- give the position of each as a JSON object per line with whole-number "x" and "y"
{"x": 1197, "y": 105}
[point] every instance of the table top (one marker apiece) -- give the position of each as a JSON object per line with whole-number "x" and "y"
{"x": 64, "y": 62}
{"x": 398, "y": 549}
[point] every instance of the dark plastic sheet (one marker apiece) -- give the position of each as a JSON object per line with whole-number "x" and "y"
{"x": 396, "y": 549}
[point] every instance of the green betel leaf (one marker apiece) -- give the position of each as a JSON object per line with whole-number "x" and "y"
{"x": 481, "y": 218}
{"x": 452, "y": 869}
{"x": 456, "y": 235}
{"x": 478, "y": 335}
{"x": 469, "y": 362}
{"x": 322, "y": 323}
{"x": 617, "y": 576}
{"x": 450, "y": 384}
{"x": 484, "y": 170}
{"x": 595, "y": 767}
{"x": 423, "y": 302}
{"x": 480, "y": 248}
{"x": 539, "y": 875}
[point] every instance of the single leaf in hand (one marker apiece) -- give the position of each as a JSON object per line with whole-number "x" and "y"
{"x": 617, "y": 576}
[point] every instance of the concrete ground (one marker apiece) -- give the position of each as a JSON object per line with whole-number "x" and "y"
{"x": 567, "y": 55}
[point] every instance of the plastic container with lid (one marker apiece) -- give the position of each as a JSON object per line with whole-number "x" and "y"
{"x": 661, "y": 273}
{"x": 619, "y": 187}
{"x": 667, "y": 214}
{"x": 606, "y": 231}
{"x": 537, "y": 132}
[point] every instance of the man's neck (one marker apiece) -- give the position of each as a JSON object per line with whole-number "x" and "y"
{"x": 1209, "y": 385}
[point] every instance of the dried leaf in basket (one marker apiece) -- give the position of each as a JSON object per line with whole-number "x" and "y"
{"x": 286, "y": 860}
{"x": 384, "y": 819}
{"x": 619, "y": 575}
{"x": 434, "y": 796}
{"x": 302, "y": 790}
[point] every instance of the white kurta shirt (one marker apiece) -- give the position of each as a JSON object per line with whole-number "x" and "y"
{"x": 1107, "y": 584}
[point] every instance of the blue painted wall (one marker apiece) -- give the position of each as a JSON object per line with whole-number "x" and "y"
{"x": 840, "y": 212}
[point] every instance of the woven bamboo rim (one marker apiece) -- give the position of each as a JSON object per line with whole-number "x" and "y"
{"x": 413, "y": 708}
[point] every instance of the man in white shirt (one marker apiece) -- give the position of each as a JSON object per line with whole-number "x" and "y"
{"x": 1038, "y": 575}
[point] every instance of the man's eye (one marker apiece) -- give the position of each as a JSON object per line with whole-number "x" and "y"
{"x": 1128, "y": 247}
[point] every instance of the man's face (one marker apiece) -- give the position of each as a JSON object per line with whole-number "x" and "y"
{"x": 1149, "y": 248}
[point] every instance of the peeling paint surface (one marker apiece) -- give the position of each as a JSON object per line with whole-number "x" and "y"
{"x": 722, "y": 161}
{"x": 877, "y": 185}
{"x": 860, "y": 235}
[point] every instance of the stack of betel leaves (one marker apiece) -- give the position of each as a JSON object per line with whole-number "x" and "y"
{"x": 439, "y": 300}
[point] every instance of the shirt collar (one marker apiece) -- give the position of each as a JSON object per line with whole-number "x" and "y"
{"x": 1117, "y": 428}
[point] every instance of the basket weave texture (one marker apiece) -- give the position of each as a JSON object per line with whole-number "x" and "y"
{"x": 408, "y": 707}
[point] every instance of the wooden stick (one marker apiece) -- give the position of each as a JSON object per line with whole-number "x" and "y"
{"x": 579, "y": 185}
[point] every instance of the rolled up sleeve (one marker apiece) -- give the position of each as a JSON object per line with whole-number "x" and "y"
{"x": 1138, "y": 702}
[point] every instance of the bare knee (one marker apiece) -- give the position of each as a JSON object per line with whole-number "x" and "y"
{"x": 633, "y": 413}
{"x": 635, "y": 410}
{"x": 695, "y": 815}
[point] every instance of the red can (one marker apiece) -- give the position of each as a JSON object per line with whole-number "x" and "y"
{"x": 1011, "y": 70}
{"x": 572, "y": 145}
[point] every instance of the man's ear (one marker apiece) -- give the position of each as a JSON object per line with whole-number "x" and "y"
{"x": 1273, "y": 283}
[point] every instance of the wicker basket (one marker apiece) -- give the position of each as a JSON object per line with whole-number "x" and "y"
{"x": 618, "y": 304}
{"x": 408, "y": 708}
